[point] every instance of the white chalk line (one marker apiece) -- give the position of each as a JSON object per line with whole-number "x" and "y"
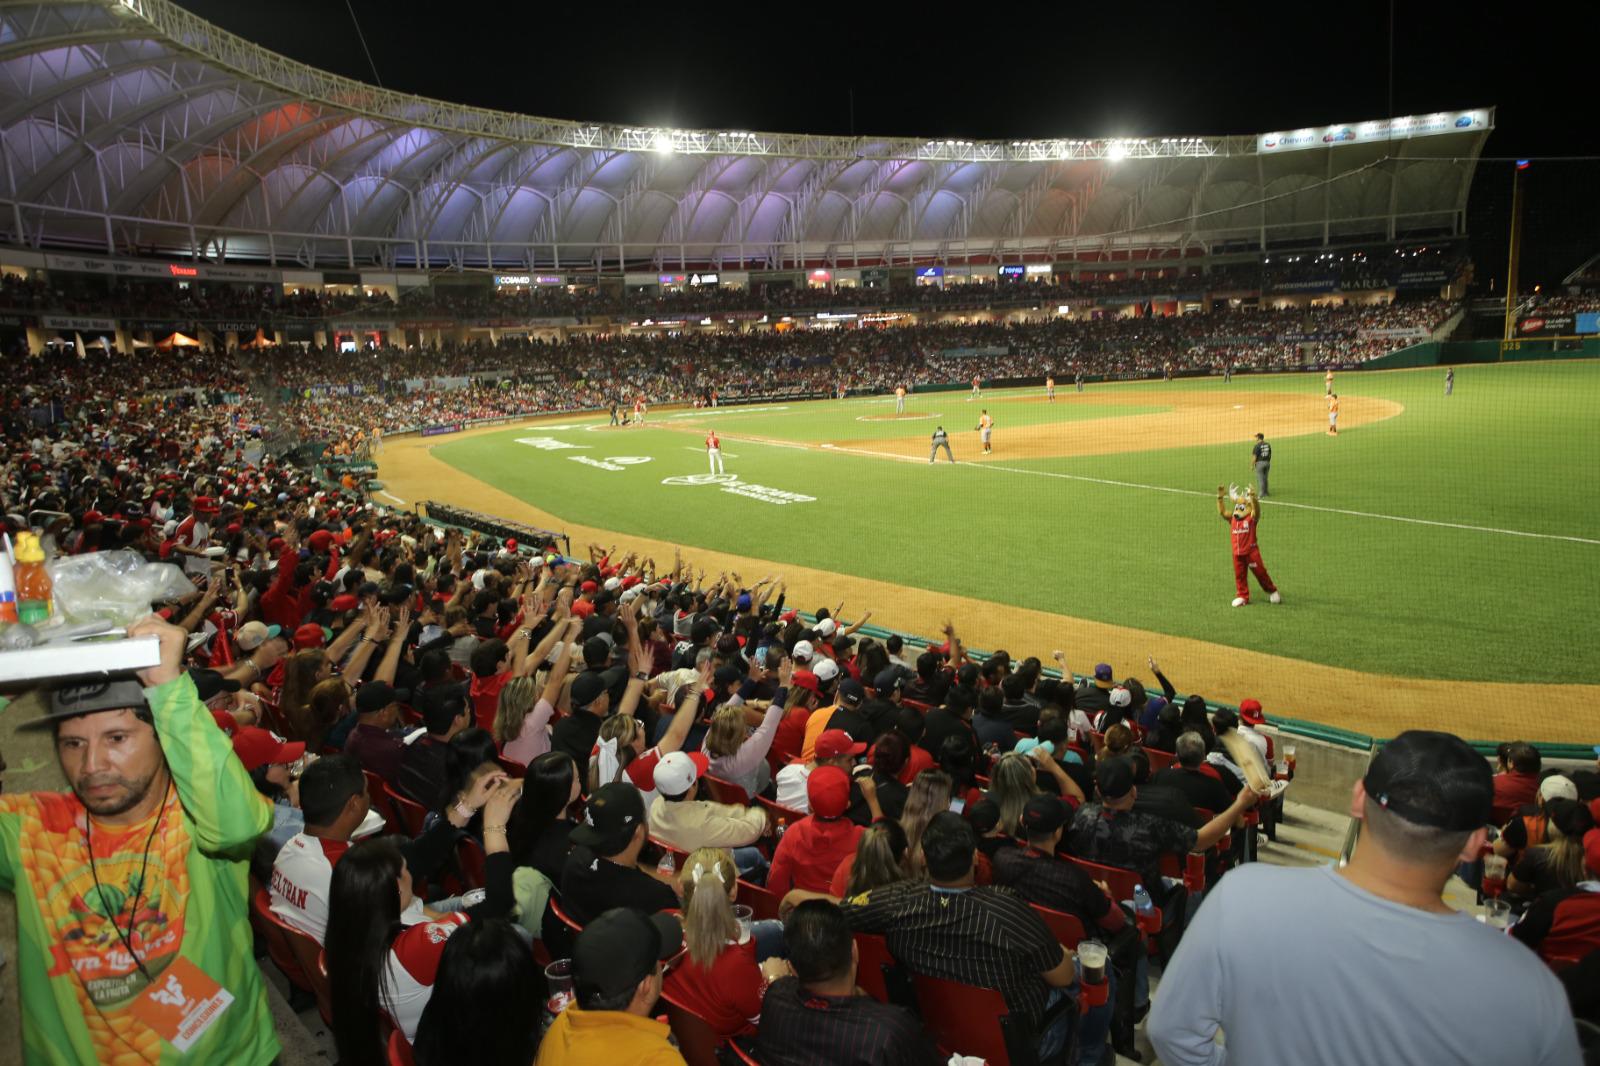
{"x": 692, "y": 448}
{"x": 1195, "y": 492}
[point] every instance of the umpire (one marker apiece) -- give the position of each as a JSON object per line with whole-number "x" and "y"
{"x": 941, "y": 439}
{"x": 1261, "y": 459}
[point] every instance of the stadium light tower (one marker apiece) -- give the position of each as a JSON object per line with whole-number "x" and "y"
{"x": 1116, "y": 151}
{"x": 662, "y": 143}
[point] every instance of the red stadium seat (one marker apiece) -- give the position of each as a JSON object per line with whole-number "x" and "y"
{"x": 763, "y": 904}
{"x": 872, "y": 957}
{"x": 1159, "y": 760}
{"x": 410, "y": 813}
{"x": 512, "y": 767}
{"x": 275, "y": 932}
{"x": 697, "y": 1040}
{"x": 726, "y": 791}
{"x": 1066, "y": 927}
{"x": 778, "y": 815}
{"x": 378, "y": 796}
{"x": 573, "y": 925}
{"x": 974, "y": 1021}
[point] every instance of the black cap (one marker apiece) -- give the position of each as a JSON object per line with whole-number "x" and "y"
{"x": 984, "y": 816}
{"x": 375, "y": 696}
{"x": 586, "y": 688}
{"x": 1432, "y": 779}
{"x": 1115, "y": 778}
{"x": 726, "y": 675}
{"x": 1224, "y": 720}
{"x": 211, "y": 684}
{"x": 610, "y": 818}
{"x": 621, "y": 948}
{"x": 842, "y": 643}
{"x": 851, "y": 692}
{"x": 889, "y": 679}
{"x": 1044, "y": 814}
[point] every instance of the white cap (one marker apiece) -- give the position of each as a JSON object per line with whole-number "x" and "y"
{"x": 676, "y": 773}
{"x": 803, "y": 651}
{"x": 613, "y": 584}
{"x": 1556, "y": 787}
{"x": 1121, "y": 697}
{"x": 825, "y": 669}
{"x": 827, "y": 627}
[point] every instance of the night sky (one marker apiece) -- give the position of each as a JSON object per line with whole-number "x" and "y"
{"x": 977, "y": 72}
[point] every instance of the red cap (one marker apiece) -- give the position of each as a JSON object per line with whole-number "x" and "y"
{"x": 1250, "y": 713}
{"x": 257, "y": 747}
{"x": 836, "y": 742}
{"x": 511, "y": 544}
{"x": 789, "y": 616}
{"x": 226, "y": 722}
{"x": 205, "y": 505}
{"x": 805, "y": 679}
{"x": 309, "y": 635}
{"x": 588, "y": 586}
{"x": 90, "y": 517}
{"x": 346, "y": 602}
{"x": 828, "y": 790}
{"x": 234, "y": 527}
{"x": 320, "y": 540}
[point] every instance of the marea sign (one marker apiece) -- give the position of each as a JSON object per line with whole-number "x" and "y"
{"x": 548, "y": 444}
{"x": 611, "y": 462}
{"x": 731, "y": 483}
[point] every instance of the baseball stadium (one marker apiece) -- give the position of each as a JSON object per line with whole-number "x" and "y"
{"x": 1255, "y": 412}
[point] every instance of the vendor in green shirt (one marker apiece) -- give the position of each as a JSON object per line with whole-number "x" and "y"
{"x": 132, "y": 890}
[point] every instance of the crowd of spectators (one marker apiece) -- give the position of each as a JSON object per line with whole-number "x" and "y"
{"x": 526, "y": 758}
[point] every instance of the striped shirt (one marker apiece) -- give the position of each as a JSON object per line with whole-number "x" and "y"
{"x": 799, "y": 1028}
{"x": 986, "y": 936}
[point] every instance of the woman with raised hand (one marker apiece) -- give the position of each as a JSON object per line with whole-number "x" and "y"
{"x": 376, "y": 964}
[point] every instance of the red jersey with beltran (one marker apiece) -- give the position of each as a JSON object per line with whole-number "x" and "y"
{"x": 1244, "y": 534}
{"x": 712, "y": 441}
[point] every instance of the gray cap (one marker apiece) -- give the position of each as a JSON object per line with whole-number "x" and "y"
{"x": 90, "y": 695}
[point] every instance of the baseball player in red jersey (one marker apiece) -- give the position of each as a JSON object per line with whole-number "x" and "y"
{"x": 1242, "y": 523}
{"x": 714, "y": 451}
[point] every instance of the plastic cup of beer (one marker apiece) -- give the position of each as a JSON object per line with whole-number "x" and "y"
{"x": 1497, "y": 913}
{"x": 1494, "y": 875}
{"x": 1092, "y": 957}
{"x": 745, "y": 917}
{"x": 1288, "y": 756}
{"x": 558, "y": 977}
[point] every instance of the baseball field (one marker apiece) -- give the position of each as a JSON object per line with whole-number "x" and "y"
{"x": 1439, "y": 558}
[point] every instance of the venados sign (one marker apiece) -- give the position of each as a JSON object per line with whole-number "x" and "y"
{"x": 731, "y": 483}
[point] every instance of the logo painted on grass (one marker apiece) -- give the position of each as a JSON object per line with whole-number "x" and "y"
{"x": 549, "y": 444}
{"x": 610, "y": 462}
{"x": 731, "y": 483}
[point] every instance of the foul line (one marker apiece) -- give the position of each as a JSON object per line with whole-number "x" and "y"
{"x": 1196, "y": 492}
{"x": 392, "y": 496}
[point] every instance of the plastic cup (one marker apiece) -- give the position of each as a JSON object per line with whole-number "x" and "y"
{"x": 1494, "y": 875}
{"x": 1497, "y": 913}
{"x": 746, "y": 917}
{"x": 1092, "y": 957}
{"x": 558, "y": 977}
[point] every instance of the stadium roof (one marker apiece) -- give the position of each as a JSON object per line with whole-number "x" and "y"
{"x": 134, "y": 125}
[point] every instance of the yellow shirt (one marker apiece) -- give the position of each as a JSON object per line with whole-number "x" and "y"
{"x": 816, "y": 725}
{"x": 606, "y": 1038}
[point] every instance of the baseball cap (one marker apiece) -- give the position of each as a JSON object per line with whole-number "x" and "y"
{"x": 1120, "y": 697}
{"x": 842, "y": 644}
{"x": 375, "y": 696}
{"x": 726, "y": 675}
{"x": 803, "y": 651}
{"x": 836, "y": 742}
{"x": 826, "y": 628}
{"x": 252, "y": 635}
{"x": 309, "y": 636}
{"x": 825, "y": 669}
{"x": 1432, "y": 779}
{"x": 257, "y": 747}
{"x": 677, "y": 772}
{"x": 346, "y": 602}
{"x": 1556, "y": 786}
{"x": 743, "y": 602}
{"x": 1027, "y": 744}
{"x": 588, "y": 586}
{"x": 851, "y": 692}
{"x": 621, "y": 948}
{"x": 889, "y": 680}
{"x": 210, "y": 684}
{"x": 586, "y": 688}
{"x": 1114, "y": 777}
{"x": 319, "y": 540}
{"x": 1102, "y": 675}
{"x": 804, "y": 679}
{"x": 1044, "y": 814}
{"x": 828, "y": 790}
{"x": 789, "y": 616}
{"x": 96, "y": 694}
{"x": 205, "y": 505}
{"x": 610, "y": 817}
{"x": 613, "y": 584}
{"x": 984, "y": 816}
{"x": 1250, "y": 713}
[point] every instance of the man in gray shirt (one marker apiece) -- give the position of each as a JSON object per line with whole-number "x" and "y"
{"x": 1261, "y": 460}
{"x": 1367, "y": 964}
{"x": 941, "y": 439}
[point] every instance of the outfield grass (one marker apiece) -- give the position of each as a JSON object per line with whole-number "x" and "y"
{"x": 1517, "y": 448}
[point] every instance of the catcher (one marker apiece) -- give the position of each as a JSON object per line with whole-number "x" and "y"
{"x": 1242, "y": 521}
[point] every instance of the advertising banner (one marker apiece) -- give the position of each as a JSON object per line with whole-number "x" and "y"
{"x": 1402, "y": 332}
{"x": 1588, "y": 322}
{"x": 79, "y": 323}
{"x": 1428, "y": 278}
{"x": 1537, "y": 325}
{"x": 1322, "y": 284}
{"x": 434, "y": 431}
